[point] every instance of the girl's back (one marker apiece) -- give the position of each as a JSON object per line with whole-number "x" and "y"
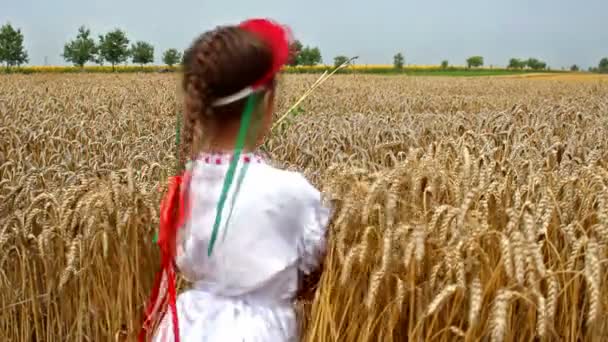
{"x": 242, "y": 244}
{"x": 276, "y": 230}
{"x": 269, "y": 225}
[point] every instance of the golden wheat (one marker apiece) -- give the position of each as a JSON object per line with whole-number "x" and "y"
{"x": 473, "y": 209}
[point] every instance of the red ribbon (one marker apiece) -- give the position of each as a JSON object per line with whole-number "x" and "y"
{"x": 173, "y": 211}
{"x": 277, "y": 37}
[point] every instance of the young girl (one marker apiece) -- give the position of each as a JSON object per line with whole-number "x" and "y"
{"x": 241, "y": 231}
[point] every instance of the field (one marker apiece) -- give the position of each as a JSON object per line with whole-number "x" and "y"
{"x": 570, "y": 76}
{"x": 375, "y": 69}
{"x": 466, "y": 208}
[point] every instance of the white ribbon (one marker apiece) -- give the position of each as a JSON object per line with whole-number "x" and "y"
{"x": 234, "y": 97}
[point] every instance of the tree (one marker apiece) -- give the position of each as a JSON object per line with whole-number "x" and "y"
{"x": 300, "y": 55}
{"x": 536, "y": 64}
{"x": 80, "y": 50}
{"x": 114, "y": 47}
{"x": 98, "y": 59}
{"x": 294, "y": 53}
{"x": 316, "y": 56}
{"x": 516, "y": 63}
{"x": 574, "y": 67}
{"x": 474, "y": 61}
{"x": 603, "y": 66}
{"x": 398, "y": 61}
{"x": 444, "y": 64}
{"x": 171, "y": 57}
{"x": 142, "y": 53}
{"x": 183, "y": 57}
{"x": 12, "y": 51}
{"x": 309, "y": 56}
{"x": 339, "y": 60}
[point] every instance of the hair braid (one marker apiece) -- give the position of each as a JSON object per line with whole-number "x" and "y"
{"x": 197, "y": 96}
{"x": 218, "y": 63}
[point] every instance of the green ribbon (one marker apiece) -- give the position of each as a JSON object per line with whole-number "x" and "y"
{"x": 240, "y": 143}
{"x": 254, "y": 129}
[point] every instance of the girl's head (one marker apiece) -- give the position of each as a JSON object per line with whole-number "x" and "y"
{"x": 223, "y": 68}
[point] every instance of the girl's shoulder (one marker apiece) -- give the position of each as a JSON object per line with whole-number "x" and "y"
{"x": 295, "y": 197}
{"x": 286, "y": 184}
{"x": 263, "y": 181}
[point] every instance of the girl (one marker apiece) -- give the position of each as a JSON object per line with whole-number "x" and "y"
{"x": 238, "y": 229}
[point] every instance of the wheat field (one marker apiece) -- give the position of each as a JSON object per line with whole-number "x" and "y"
{"x": 466, "y": 209}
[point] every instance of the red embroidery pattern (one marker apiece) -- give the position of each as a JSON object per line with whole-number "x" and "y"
{"x": 221, "y": 159}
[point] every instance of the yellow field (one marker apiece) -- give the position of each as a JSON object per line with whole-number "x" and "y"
{"x": 571, "y": 76}
{"x": 467, "y": 209}
{"x": 154, "y": 68}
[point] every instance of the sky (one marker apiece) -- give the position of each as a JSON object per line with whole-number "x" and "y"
{"x": 560, "y": 32}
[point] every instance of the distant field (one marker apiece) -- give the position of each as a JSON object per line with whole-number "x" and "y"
{"x": 569, "y": 76}
{"x": 414, "y": 70}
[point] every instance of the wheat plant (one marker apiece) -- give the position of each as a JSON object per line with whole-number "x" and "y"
{"x": 465, "y": 209}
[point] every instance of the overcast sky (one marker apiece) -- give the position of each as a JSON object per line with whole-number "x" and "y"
{"x": 561, "y": 32}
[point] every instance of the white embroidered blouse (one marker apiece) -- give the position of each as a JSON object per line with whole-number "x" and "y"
{"x": 245, "y": 290}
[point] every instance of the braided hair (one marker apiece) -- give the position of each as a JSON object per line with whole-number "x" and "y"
{"x": 219, "y": 63}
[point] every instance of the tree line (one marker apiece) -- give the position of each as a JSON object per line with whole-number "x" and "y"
{"x": 113, "y": 48}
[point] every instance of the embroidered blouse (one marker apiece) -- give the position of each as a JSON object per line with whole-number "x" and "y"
{"x": 276, "y": 231}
